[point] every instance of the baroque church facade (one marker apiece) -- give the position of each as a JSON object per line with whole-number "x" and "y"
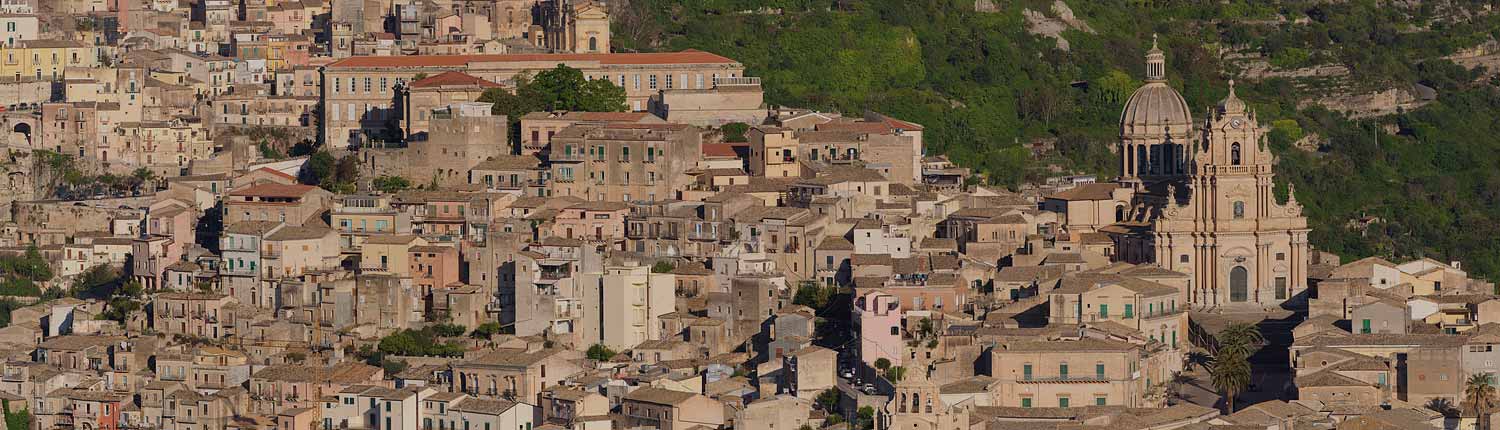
{"x": 1204, "y": 203}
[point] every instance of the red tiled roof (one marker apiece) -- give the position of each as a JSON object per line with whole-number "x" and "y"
{"x": 274, "y": 190}
{"x": 277, "y": 173}
{"x": 612, "y": 116}
{"x": 718, "y": 150}
{"x": 451, "y": 78}
{"x": 684, "y": 57}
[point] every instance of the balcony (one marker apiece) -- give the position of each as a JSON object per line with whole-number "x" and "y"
{"x": 553, "y": 275}
{"x": 566, "y": 158}
{"x": 1065, "y": 379}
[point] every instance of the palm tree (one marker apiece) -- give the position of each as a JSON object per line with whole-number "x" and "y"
{"x": 1230, "y": 364}
{"x": 1197, "y": 359}
{"x": 1479, "y": 391}
{"x": 1239, "y": 338}
{"x": 1230, "y": 374}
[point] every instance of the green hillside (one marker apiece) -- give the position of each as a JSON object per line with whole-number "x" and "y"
{"x": 984, "y": 86}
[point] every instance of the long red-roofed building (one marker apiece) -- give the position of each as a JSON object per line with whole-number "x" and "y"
{"x": 358, "y": 92}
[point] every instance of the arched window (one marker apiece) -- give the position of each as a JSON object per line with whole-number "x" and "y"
{"x": 1239, "y": 209}
{"x": 1119, "y": 213}
{"x": 901, "y": 406}
{"x": 1234, "y": 154}
{"x": 916, "y": 402}
{"x": 593, "y": 44}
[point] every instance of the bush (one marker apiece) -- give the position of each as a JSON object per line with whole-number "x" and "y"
{"x": 390, "y": 184}
{"x": 599, "y": 352}
{"x": 662, "y": 266}
{"x": 486, "y": 330}
{"x": 735, "y": 132}
{"x": 420, "y": 343}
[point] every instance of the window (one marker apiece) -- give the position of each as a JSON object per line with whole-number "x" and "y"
{"x": 1239, "y": 210}
{"x": 1280, "y": 288}
{"x": 1364, "y": 326}
{"x": 1099, "y": 370}
{"x": 1025, "y": 402}
{"x": 593, "y": 46}
{"x": 1026, "y": 372}
{"x": 1062, "y": 370}
{"x": 1129, "y": 311}
{"x": 1103, "y": 310}
{"x": 1183, "y": 258}
{"x": 1234, "y": 154}
{"x": 1100, "y": 400}
{"x": 653, "y": 82}
{"x": 1062, "y": 401}
{"x": 625, "y": 154}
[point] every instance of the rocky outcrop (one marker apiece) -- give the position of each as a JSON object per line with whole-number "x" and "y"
{"x": 1040, "y": 24}
{"x": 1365, "y": 105}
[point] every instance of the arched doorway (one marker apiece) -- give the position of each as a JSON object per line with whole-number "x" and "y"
{"x": 1119, "y": 213}
{"x": 1239, "y": 284}
{"x": 24, "y": 129}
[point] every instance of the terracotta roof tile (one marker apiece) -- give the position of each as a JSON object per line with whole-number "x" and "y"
{"x": 453, "y": 79}
{"x": 684, "y": 57}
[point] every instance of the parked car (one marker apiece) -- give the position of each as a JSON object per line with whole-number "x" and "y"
{"x": 869, "y": 389}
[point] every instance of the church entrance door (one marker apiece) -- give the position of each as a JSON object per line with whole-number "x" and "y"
{"x": 1239, "y": 288}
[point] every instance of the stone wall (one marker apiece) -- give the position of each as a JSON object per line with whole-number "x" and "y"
{"x": 71, "y": 217}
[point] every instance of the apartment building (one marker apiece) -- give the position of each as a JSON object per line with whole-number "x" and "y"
{"x": 1078, "y": 372}
{"x": 290, "y": 204}
{"x": 204, "y": 315}
{"x": 624, "y": 162}
{"x": 622, "y": 304}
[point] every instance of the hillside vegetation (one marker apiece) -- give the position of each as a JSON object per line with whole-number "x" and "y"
{"x": 987, "y": 83}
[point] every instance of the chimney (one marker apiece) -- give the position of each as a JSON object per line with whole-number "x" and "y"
{"x": 1457, "y": 264}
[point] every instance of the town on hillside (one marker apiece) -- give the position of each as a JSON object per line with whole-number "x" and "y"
{"x": 477, "y": 215}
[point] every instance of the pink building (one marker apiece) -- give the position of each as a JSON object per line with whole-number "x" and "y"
{"x": 150, "y": 256}
{"x": 174, "y": 219}
{"x": 877, "y": 317}
{"x": 433, "y": 266}
{"x": 597, "y": 221}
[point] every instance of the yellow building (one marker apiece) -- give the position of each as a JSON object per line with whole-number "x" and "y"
{"x": 388, "y": 253}
{"x": 45, "y": 59}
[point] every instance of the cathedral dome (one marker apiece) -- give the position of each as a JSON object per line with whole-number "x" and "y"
{"x": 1155, "y": 108}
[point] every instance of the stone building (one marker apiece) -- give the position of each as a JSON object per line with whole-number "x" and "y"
{"x": 422, "y": 98}
{"x": 462, "y": 135}
{"x": 1204, "y": 204}
{"x": 359, "y": 99}
{"x": 579, "y": 26}
{"x": 624, "y": 162}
